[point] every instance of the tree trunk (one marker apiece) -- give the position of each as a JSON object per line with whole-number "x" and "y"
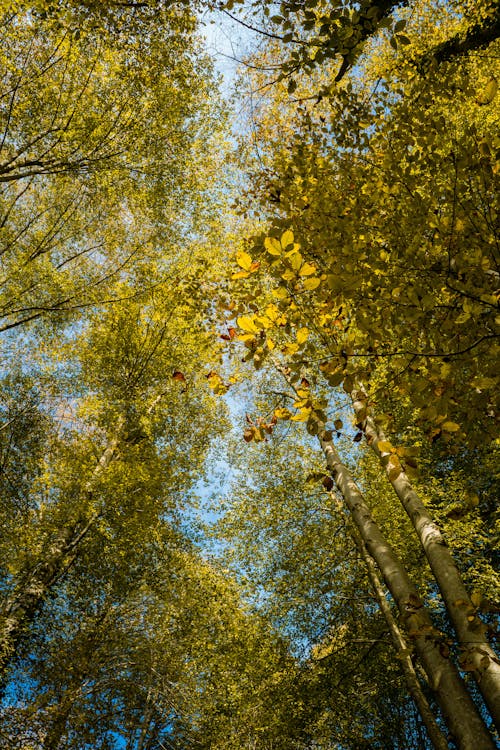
{"x": 459, "y": 712}
{"x": 19, "y": 609}
{"x": 437, "y": 738}
{"x": 478, "y": 655}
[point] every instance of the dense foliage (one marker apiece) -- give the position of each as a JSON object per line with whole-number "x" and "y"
{"x": 249, "y": 383}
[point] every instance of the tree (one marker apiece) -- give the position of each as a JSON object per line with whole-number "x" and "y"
{"x": 327, "y": 272}
{"x": 95, "y": 147}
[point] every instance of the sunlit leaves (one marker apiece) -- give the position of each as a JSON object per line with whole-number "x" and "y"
{"x": 488, "y": 93}
{"x": 273, "y": 246}
{"x": 245, "y": 261}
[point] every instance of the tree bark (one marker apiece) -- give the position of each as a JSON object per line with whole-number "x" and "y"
{"x": 478, "y": 655}
{"x": 19, "y": 609}
{"x": 436, "y": 736}
{"x": 459, "y": 712}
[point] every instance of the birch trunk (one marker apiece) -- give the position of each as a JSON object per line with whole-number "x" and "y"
{"x": 459, "y": 712}
{"x": 478, "y": 655}
{"x": 437, "y": 738}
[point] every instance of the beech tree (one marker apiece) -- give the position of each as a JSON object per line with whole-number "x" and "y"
{"x": 366, "y": 293}
{"x": 94, "y": 156}
{"x": 323, "y": 307}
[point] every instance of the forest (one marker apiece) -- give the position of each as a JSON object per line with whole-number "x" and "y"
{"x": 250, "y": 337}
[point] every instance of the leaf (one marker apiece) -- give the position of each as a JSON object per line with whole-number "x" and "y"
{"x": 394, "y": 473}
{"x": 315, "y": 476}
{"x": 287, "y": 239}
{"x": 296, "y": 261}
{"x": 302, "y": 416}
{"x": 476, "y": 598}
{"x": 244, "y": 260}
{"x": 307, "y": 269}
{"x": 327, "y": 483}
{"x": 240, "y": 275}
{"x": 179, "y": 376}
{"x": 450, "y": 426}
{"x": 384, "y": 446}
{"x": 358, "y": 436}
{"x": 282, "y": 413}
{"x": 338, "y": 424}
{"x": 272, "y": 245}
{"x": 246, "y": 323}
{"x": 312, "y": 283}
{"x": 302, "y": 335}
{"x": 488, "y": 93}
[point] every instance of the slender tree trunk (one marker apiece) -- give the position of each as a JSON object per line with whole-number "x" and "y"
{"x": 478, "y": 655}
{"x": 459, "y": 712}
{"x": 19, "y": 609}
{"x": 437, "y": 738}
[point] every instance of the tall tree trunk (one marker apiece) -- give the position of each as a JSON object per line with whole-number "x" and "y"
{"x": 437, "y": 738}
{"x": 19, "y": 609}
{"x": 478, "y": 655}
{"x": 459, "y": 712}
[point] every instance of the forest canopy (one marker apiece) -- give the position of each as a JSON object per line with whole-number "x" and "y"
{"x": 249, "y": 386}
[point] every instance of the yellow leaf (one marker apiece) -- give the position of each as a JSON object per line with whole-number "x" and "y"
{"x": 270, "y": 344}
{"x": 286, "y": 238}
{"x": 264, "y": 321}
{"x": 290, "y": 349}
{"x": 272, "y": 246}
{"x": 243, "y": 260}
{"x": 394, "y": 473}
{"x": 296, "y": 261}
{"x": 240, "y": 275}
{"x": 302, "y": 416}
{"x": 301, "y": 402}
{"x": 450, "y": 426}
{"x": 307, "y": 269}
{"x": 302, "y": 335}
{"x": 272, "y": 312}
{"x": 288, "y": 275}
{"x": 488, "y": 93}
{"x": 245, "y": 337}
{"x": 246, "y": 324}
{"x": 384, "y": 446}
{"x": 282, "y": 413}
{"x": 280, "y": 292}
{"x": 312, "y": 283}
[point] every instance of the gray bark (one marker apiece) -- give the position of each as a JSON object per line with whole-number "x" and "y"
{"x": 459, "y": 712}
{"x": 478, "y": 655}
{"x": 437, "y": 738}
